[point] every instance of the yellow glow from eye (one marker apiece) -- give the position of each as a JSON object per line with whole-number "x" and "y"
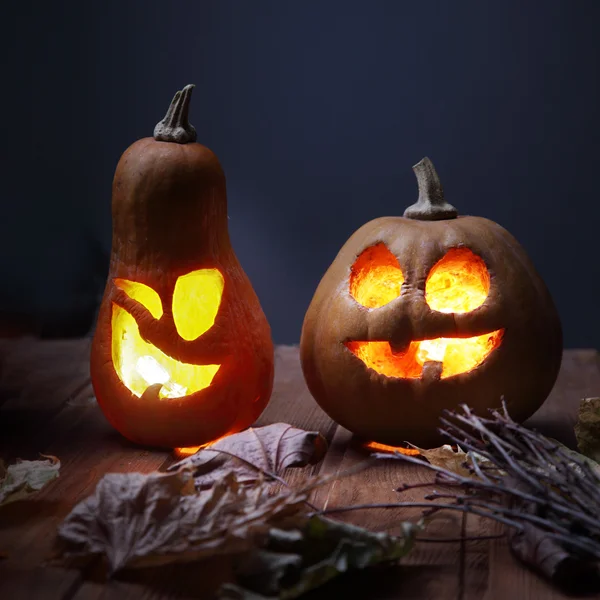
{"x": 376, "y": 277}
{"x": 140, "y": 364}
{"x": 196, "y": 301}
{"x": 458, "y": 283}
{"x": 143, "y": 294}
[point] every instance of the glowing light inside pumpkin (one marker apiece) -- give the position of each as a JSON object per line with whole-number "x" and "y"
{"x": 189, "y": 450}
{"x": 143, "y": 294}
{"x": 152, "y": 372}
{"x": 138, "y": 363}
{"x": 377, "y": 447}
{"x": 458, "y": 283}
{"x": 196, "y": 301}
{"x": 457, "y": 355}
{"x": 185, "y": 452}
{"x": 376, "y": 277}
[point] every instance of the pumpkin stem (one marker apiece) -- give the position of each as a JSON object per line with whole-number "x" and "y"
{"x": 175, "y": 127}
{"x": 431, "y": 205}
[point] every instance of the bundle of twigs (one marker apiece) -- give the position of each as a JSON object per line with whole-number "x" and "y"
{"x": 547, "y": 495}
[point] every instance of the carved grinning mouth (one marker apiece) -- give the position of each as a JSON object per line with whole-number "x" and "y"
{"x": 452, "y": 356}
{"x": 140, "y": 364}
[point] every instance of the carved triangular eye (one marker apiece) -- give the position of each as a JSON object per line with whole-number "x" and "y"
{"x": 458, "y": 283}
{"x": 143, "y": 294}
{"x": 376, "y": 277}
{"x": 196, "y": 301}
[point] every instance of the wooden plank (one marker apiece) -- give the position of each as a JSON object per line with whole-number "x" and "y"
{"x": 292, "y": 403}
{"x": 75, "y": 430}
{"x": 172, "y": 581}
{"x": 112, "y": 590}
{"x": 40, "y": 375}
{"x": 377, "y": 484}
{"x": 88, "y": 448}
{"x": 31, "y": 584}
{"x": 49, "y": 412}
{"x": 38, "y": 379}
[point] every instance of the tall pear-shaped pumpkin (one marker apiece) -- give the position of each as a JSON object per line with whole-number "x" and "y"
{"x": 182, "y": 352}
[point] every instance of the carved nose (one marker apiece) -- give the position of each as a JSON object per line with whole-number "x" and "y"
{"x": 408, "y": 319}
{"x": 393, "y": 323}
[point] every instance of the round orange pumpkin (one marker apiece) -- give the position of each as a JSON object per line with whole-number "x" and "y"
{"x": 182, "y": 353}
{"x": 424, "y": 312}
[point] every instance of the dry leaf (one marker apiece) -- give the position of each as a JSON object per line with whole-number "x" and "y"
{"x": 587, "y": 428}
{"x": 539, "y": 551}
{"x": 577, "y": 457}
{"x": 275, "y": 545}
{"x": 447, "y": 457}
{"x": 295, "y": 562}
{"x": 249, "y": 454}
{"x": 138, "y": 520}
{"x": 26, "y": 477}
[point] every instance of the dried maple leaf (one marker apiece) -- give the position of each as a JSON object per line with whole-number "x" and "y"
{"x": 587, "y": 428}
{"x": 254, "y": 452}
{"x": 26, "y": 477}
{"x": 138, "y": 520}
{"x": 447, "y": 457}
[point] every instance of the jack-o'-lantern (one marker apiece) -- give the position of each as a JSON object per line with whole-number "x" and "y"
{"x": 182, "y": 353}
{"x": 424, "y": 312}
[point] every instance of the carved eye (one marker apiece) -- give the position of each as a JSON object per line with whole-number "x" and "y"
{"x": 376, "y": 277}
{"x": 143, "y": 294}
{"x": 139, "y": 364}
{"x": 196, "y": 301}
{"x": 458, "y": 283}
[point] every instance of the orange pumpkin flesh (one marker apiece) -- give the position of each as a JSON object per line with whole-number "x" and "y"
{"x": 182, "y": 352}
{"x": 422, "y": 313}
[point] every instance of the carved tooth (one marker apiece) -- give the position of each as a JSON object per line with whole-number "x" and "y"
{"x": 432, "y": 370}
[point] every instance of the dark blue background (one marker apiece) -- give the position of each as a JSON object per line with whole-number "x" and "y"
{"x": 317, "y": 111}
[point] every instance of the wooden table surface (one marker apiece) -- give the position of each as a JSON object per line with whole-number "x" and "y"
{"x": 47, "y": 406}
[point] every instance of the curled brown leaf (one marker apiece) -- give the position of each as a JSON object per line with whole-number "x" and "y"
{"x": 539, "y": 551}
{"x": 26, "y": 477}
{"x": 254, "y": 452}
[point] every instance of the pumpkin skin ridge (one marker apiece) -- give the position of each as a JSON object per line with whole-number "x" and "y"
{"x": 154, "y": 243}
{"x": 330, "y": 311}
